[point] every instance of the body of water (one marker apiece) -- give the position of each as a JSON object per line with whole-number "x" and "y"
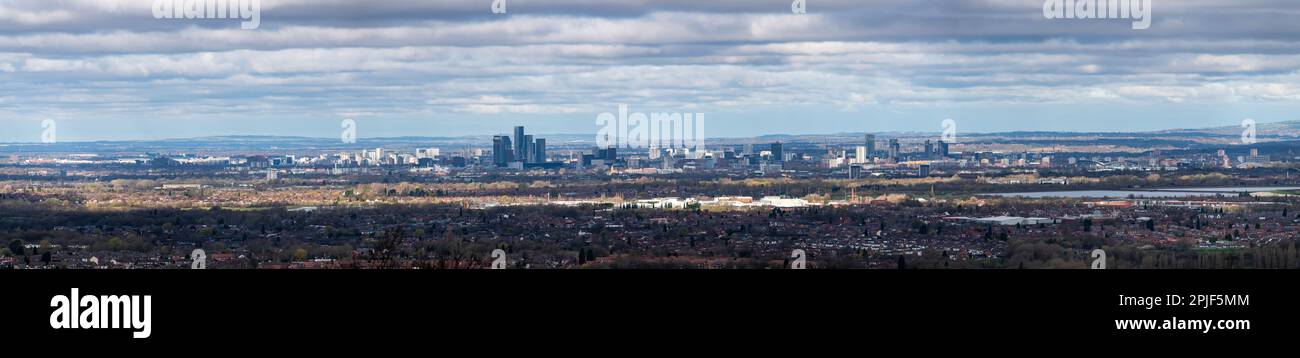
{"x": 1155, "y": 193}
{"x": 1248, "y": 189}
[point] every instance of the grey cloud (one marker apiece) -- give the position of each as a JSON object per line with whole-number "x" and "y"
{"x": 421, "y": 58}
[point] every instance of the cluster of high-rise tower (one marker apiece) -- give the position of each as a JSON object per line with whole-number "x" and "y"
{"x": 523, "y": 150}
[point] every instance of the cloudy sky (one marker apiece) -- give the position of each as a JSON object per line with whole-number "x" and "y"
{"x": 108, "y": 70}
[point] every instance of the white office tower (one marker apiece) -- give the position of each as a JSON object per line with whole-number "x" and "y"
{"x": 861, "y": 154}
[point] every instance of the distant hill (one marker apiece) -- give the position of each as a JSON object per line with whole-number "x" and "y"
{"x": 250, "y": 143}
{"x": 1275, "y": 129}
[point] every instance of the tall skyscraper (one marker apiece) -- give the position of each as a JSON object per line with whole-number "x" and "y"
{"x": 528, "y": 152}
{"x": 893, "y": 148}
{"x": 871, "y": 144}
{"x": 500, "y": 149}
{"x": 777, "y": 154}
{"x": 521, "y": 147}
{"x": 929, "y": 147}
{"x": 943, "y": 148}
{"x": 539, "y": 151}
{"x": 497, "y": 150}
